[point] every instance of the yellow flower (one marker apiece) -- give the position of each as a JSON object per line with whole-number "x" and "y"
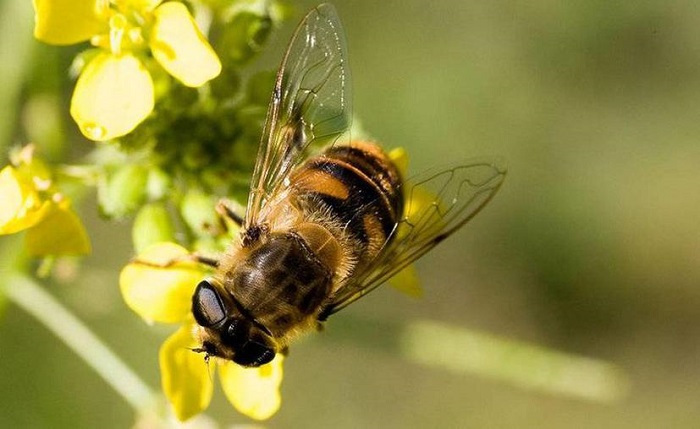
{"x": 161, "y": 291}
{"x": 22, "y": 207}
{"x": 31, "y": 203}
{"x": 115, "y": 91}
{"x": 406, "y": 280}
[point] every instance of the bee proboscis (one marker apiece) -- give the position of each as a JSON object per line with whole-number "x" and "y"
{"x": 328, "y": 219}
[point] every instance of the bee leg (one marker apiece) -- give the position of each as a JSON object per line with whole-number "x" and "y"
{"x": 224, "y": 210}
{"x": 325, "y": 312}
{"x": 210, "y": 262}
{"x": 192, "y": 257}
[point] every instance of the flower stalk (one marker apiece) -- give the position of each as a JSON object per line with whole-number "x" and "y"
{"x": 32, "y": 298}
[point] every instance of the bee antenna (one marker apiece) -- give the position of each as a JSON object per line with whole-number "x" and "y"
{"x": 210, "y": 371}
{"x": 207, "y": 359}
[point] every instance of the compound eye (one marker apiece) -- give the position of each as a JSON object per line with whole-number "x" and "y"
{"x": 207, "y": 306}
{"x": 253, "y": 354}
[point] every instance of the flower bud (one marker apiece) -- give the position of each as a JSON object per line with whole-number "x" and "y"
{"x": 198, "y": 211}
{"x": 123, "y": 191}
{"x": 152, "y": 225}
{"x": 245, "y": 36}
{"x": 158, "y": 184}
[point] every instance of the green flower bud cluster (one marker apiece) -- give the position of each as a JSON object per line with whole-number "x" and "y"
{"x": 199, "y": 144}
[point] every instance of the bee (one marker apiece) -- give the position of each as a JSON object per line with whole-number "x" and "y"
{"x": 328, "y": 219}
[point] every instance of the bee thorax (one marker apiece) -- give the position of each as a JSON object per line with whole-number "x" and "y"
{"x": 282, "y": 282}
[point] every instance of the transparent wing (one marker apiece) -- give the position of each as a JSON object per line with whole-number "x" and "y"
{"x": 310, "y": 105}
{"x": 437, "y": 204}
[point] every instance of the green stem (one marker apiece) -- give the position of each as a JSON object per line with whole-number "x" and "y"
{"x": 87, "y": 174}
{"x": 28, "y": 295}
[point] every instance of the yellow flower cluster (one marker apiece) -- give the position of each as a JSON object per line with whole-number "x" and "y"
{"x": 159, "y": 290}
{"x": 115, "y": 90}
{"x": 30, "y": 202}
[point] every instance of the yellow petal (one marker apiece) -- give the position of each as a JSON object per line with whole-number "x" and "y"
{"x": 32, "y": 169}
{"x": 184, "y": 374}
{"x": 64, "y": 22}
{"x": 420, "y": 204}
{"x": 113, "y": 95}
{"x": 407, "y": 281}
{"x": 60, "y": 233}
{"x": 21, "y": 206}
{"x": 253, "y": 391}
{"x": 399, "y": 156}
{"x": 181, "y": 48}
{"x": 157, "y": 292}
{"x": 140, "y": 5}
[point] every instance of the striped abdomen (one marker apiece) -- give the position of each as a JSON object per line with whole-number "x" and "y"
{"x": 359, "y": 188}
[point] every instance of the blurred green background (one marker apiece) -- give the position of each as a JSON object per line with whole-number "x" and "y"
{"x": 590, "y": 248}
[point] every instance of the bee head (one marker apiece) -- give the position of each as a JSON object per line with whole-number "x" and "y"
{"x": 228, "y": 330}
